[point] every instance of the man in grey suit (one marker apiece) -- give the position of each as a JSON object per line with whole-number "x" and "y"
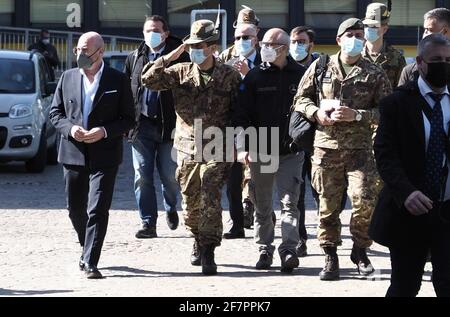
{"x": 92, "y": 110}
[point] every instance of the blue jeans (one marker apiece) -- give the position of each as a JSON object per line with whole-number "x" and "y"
{"x": 148, "y": 149}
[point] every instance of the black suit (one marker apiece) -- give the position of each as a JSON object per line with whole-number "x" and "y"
{"x": 401, "y": 158}
{"x": 90, "y": 169}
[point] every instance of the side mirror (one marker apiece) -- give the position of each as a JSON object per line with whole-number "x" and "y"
{"x": 50, "y": 88}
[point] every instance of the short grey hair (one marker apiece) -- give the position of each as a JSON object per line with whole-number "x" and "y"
{"x": 436, "y": 39}
{"x": 440, "y": 14}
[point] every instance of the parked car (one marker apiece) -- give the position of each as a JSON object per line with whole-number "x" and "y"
{"x": 115, "y": 59}
{"x": 26, "y": 94}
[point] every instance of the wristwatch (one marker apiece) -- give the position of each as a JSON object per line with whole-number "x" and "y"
{"x": 358, "y": 117}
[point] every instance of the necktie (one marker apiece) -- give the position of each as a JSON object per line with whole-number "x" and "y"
{"x": 249, "y": 63}
{"x": 435, "y": 153}
{"x": 152, "y": 97}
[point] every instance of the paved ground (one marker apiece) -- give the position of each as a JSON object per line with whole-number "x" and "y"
{"x": 39, "y": 252}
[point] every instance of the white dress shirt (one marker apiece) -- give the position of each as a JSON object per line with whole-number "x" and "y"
{"x": 425, "y": 90}
{"x": 89, "y": 92}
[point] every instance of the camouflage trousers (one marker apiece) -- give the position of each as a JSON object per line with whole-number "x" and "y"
{"x": 332, "y": 172}
{"x": 201, "y": 189}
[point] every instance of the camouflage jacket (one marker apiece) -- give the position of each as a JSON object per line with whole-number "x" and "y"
{"x": 391, "y": 60}
{"x": 228, "y": 54}
{"x": 212, "y": 104}
{"x": 362, "y": 90}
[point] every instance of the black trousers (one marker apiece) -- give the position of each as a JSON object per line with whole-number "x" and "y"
{"x": 234, "y": 195}
{"x": 408, "y": 261}
{"x": 89, "y": 196}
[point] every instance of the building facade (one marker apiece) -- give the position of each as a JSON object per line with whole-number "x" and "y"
{"x": 125, "y": 18}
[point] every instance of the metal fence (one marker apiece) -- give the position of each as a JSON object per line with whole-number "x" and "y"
{"x": 19, "y": 39}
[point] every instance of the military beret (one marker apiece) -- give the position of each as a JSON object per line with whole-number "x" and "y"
{"x": 350, "y": 24}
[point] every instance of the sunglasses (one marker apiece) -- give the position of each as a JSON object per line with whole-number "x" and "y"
{"x": 244, "y": 37}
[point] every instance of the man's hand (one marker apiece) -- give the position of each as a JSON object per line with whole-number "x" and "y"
{"x": 94, "y": 135}
{"x": 175, "y": 54}
{"x": 343, "y": 114}
{"x": 323, "y": 118}
{"x": 242, "y": 67}
{"x": 418, "y": 204}
{"x": 78, "y": 133}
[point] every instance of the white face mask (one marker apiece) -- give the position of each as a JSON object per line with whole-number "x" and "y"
{"x": 299, "y": 52}
{"x": 153, "y": 39}
{"x": 46, "y": 41}
{"x": 268, "y": 54}
{"x": 197, "y": 56}
{"x": 352, "y": 46}
{"x": 243, "y": 47}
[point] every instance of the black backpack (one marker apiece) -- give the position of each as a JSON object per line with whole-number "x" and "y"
{"x": 301, "y": 130}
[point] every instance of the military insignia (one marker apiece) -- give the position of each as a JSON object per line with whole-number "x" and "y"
{"x": 293, "y": 89}
{"x": 327, "y": 78}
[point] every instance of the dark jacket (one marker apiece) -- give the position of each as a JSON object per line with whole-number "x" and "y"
{"x": 133, "y": 69}
{"x": 50, "y": 53}
{"x": 409, "y": 73}
{"x": 265, "y": 99}
{"x": 112, "y": 109}
{"x": 400, "y": 155}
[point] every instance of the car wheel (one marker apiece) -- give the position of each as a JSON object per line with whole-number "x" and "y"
{"x": 52, "y": 153}
{"x": 37, "y": 163}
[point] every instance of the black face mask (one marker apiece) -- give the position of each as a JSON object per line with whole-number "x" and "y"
{"x": 438, "y": 74}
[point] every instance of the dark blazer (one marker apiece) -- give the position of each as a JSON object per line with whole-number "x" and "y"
{"x": 112, "y": 109}
{"x": 235, "y": 59}
{"x": 133, "y": 69}
{"x": 400, "y": 155}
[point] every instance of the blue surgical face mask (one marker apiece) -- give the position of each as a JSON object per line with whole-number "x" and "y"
{"x": 243, "y": 47}
{"x": 352, "y": 46}
{"x": 197, "y": 56}
{"x": 371, "y": 34}
{"x": 153, "y": 39}
{"x": 299, "y": 52}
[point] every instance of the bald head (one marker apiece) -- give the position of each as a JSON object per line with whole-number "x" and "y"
{"x": 277, "y": 36}
{"x": 245, "y": 29}
{"x": 91, "y": 40}
{"x": 91, "y": 46}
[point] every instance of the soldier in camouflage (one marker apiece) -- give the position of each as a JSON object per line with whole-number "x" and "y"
{"x": 205, "y": 93}
{"x": 377, "y": 50}
{"x": 349, "y": 94}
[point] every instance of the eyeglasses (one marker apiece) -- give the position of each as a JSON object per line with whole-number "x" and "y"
{"x": 83, "y": 50}
{"x": 270, "y": 45}
{"x": 244, "y": 37}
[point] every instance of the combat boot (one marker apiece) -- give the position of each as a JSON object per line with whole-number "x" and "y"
{"x": 195, "y": 255}
{"x": 209, "y": 267}
{"x": 359, "y": 257}
{"x": 331, "y": 270}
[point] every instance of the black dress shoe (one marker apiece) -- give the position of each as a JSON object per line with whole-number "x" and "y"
{"x": 234, "y": 234}
{"x": 172, "y": 220}
{"x": 147, "y": 232}
{"x": 92, "y": 273}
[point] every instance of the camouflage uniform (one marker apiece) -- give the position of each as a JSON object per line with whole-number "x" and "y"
{"x": 391, "y": 60}
{"x": 228, "y": 54}
{"x": 343, "y": 152}
{"x": 200, "y": 181}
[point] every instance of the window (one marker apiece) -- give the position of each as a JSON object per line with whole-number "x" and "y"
{"x": 328, "y": 14}
{"x": 6, "y": 12}
{"x": 410, "y": 12}
{"x": 179, "y": 11}
{"x": 119, "y": 13}
{"x": 51, "y": 12}
{"x": 274, "y": 13}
